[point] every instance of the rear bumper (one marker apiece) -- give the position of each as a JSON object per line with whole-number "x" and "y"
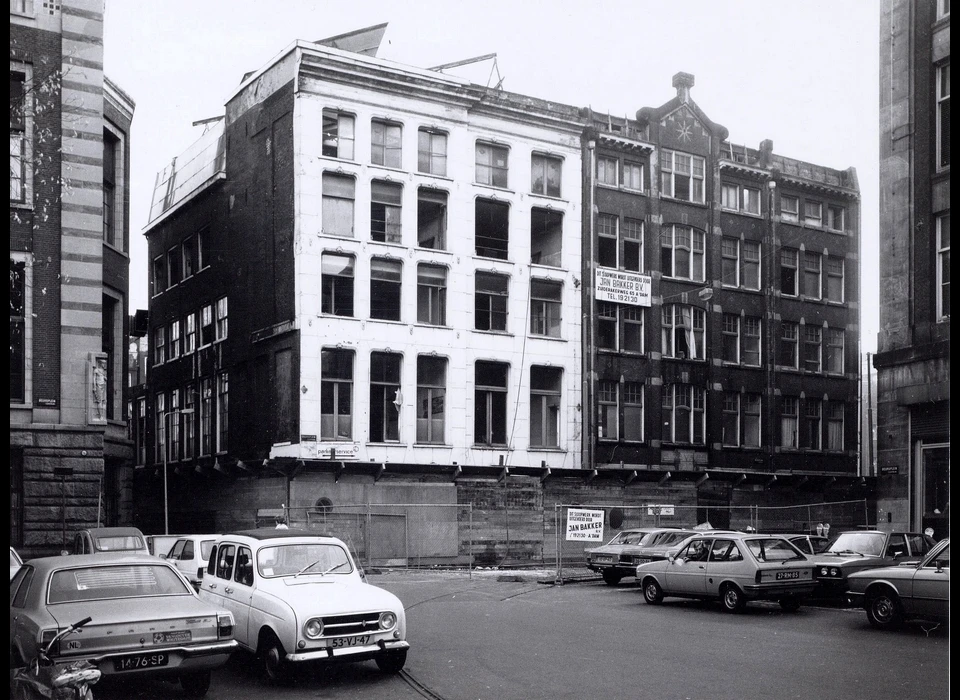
{"x": 774, "y": 591}
{"x": 349, "y": 653}
{"x": 200, "y": 657}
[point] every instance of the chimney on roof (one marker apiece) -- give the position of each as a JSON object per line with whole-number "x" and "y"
{"x": 683, "y": 82}
{"x": 766, "y": 150}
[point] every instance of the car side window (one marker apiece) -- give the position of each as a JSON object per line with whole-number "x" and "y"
{"x": 225, "y": 561}
{"x": 803, "y": 544}
{"x": 212, "y": 561}
{"x": 244, "y": 573}
{"x": 918, "y": 545}
{"x": 942, "y": 560}
{"x": 696, "y": 551}
{"x": 25, "y": 576}
{"x": 187, "y": 550}
{"x": 177, "y": 550}
{"x": 897, "y": 547}
{"x": 725, "y": 550}
{"x": 78, "y": 544}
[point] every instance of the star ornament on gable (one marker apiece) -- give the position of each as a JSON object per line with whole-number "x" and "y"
{"x": 685, "y": 131}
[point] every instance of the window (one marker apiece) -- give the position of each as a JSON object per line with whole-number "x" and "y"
{"x": 740, "y": 198}
{"x": 788, "y": 344}
{"x": 206, "y": 325}
{"x": 607, "y": 171}
{"x": 835, "y": 217}
{"x": 681, "y": 176}
{"x": 158, "y": 276}
{"x": 790, "y": 208}
{"x": 812, "y": 212}
{"x": 205, "y": 252}
{"x": 490, "y": 403}
{"x": 173, "y": 425}
{"x": 545, "y": 406}
{"x": 385, "y": 398}
{"x": 619, "y": 327}
{"x": 492, "y": 233}
{"x": 491, "y": 165}
{"x": 336, "y": 282}
{"x": 731, "y": 338}
{"x": 546, "y": 237}
{"x": 811, "y": 274}
{"x": 432, "y": 295}
{"x": 431, "y": 399}
{"x": 788, "y": 422}
{"x": 545, "y": 175}
{"x": 338, "y": 134}
{"x": 190, "y": 333}
{"x": 206, "y": 416}
{"x": 631, "y": 252}
{"x": 751, "y": 200}
{"x": 337, "y": 205}
{"x": 189, "y": 422}
{"x": 336, "y": 394}
{"x": 681, "y": 253}
{"x": 633, "y": 176}
{"x": 20, "y": 99}
{"x": 432, "y": 219}
{"x": 684, "y": 414}
{"x": 751, "y": 420}
{"x": 811, "y": 347}
{"x": 750, "y": 265}
{"x": 834, "y": 287}
{"x": 141, "y": 434}
{"x": 631, "y": 330}
{"x": 750, "y": 347}
{"x": 788, "y": 271}
{"x": 943, "y": 267}
{"x": 682, "y": 332}
{"x": 606, "y": 326}
{"x": 159, "y": 345}
{"x": 943, "y": 8}
{"x": 835, "y": 350}
{"x": 835, "y": 410}
{"x": 385, "y": 140}
{"x": 432, "y": 152}
{"x": 730, "y": 197}
{"x": 607, "y": 240}
{"x": 545, "y": 315}
{"x": 223, "y": 386}
{"x": 222, "y": 325}
{"x": 174, "y": 340}
{"x": 385, "y": 209}
{"x": 731, "y": 419}
{"x": 810, "y": 435}
{"x": 633, "y": 411}
{"x": 187, "y": 257}
{"x": 730, "y": 262}
{"x": 608, "y": 411}
{"x": 385, "y": 288}
{"x": 160, "y": 428}
{"x": 491, "y": 297}
{"x": 174, "y": 267}
{"x": 112, "y": 227}
{"x": 18, "y": 330}
{"x": 943, "y": 116}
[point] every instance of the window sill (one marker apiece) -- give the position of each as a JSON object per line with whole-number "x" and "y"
{"x": 494, "y": 448}
{"x": 839, "y": 232}
{"x": 420, "y": 324}
{"x": 444, "y": 178}
{"x": 428, "y": 251}
{"x": 546, "y": 267}
{"x": 740, "y": 212}
{"x": 118, "y": 251}
{"x": 340, "y": 236}
{"x": 430, "y": 445}
{"x": 22, "y": 206}
{"x": 681, "y": 279}
{"x": 503, "y": 334}
{"x": 625, "y": 353}
{"x": 387, "y": 244}
{"x": 547, "y": 337}
{"x": 337, "y": 159}
{"x": 388, "y": 321}
{"x": 608, "y": 186}
{"x": 702, "y": 205}
{"x": 387, "y": 168}
{"x": 545, "y": 448}
{"x": 549, "y": 198}
{"x": 505, "y": 261}
{"x": 684, "y": 359}
{"x": 340, "y": 318}
{"x": 494, "y": 188}
{"x": 631, "y": 190}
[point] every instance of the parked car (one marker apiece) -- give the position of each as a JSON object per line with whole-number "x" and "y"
{"x": 733, "y": 567}
{"x": 112, "y": 540}
{"x": 147, "y": 621}
{"x": 669, "y": 544}
{"x": 809, "y": 544}
{"x": 160, "y": 545}
{"x": 298, "y": 598}
{"x": 191, "y": 554}
{"x": 892, "y": 594}
{"x": 865, "y": 549}
{"x": 15, "y": 562}
{"x": 613, "y": 560}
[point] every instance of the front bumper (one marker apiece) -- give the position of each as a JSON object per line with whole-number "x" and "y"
{"x": 857, "y": 600}
{"x": 349, "y": 653}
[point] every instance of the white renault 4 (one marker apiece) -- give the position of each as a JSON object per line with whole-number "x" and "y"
{"x": 298, "y": 597}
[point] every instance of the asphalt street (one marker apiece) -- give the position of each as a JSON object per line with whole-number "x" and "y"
{"x": 508, "y": 637}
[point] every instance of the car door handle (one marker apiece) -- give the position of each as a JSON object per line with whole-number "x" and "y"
{"x": 228, "y": 590}
{"x": 212, "y": 586}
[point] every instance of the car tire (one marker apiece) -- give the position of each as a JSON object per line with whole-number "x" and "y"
{"x": 884, "y": 611}
{"x": 732, "y": 598}
{"x": 610, "y": 577}
{"x": 652, "y": 592}
{"x": 790, "y": 603}
{"x": 195, "y": 685}
{"x": 275, "y": 668}
{"x": 392, "y": 661}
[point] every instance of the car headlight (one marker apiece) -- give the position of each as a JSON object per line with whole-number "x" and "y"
{"x": 834, "y": 571}
{"x": 313, "y": 628}
{"x": 388, "y": 620}
{"x": 823, "y": 571}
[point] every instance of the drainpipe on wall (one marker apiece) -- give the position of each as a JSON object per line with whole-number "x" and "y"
{"x": 590, "y": 353}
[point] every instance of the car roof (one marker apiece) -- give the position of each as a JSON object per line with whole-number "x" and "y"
{"x": 112, "y": 531}
{"x": 45, "y": 564}
{"x": 272, "y": 533}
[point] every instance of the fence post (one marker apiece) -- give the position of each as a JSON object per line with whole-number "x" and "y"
{"x": 366, "y": 538}
{"x": 556, "y": 528}
{"x": 809, "y": 520}
{"x": 470, "y": 553}
{"x": 866, "y": 515}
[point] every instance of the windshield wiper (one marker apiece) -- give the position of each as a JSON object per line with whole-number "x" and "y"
{"x": 308, "y": 566}
{"x": 846, "y": 551}
{"x": 333, "y": 568}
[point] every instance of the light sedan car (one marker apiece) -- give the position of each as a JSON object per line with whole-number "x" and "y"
{"x": 893, "y": 594}
{"x": 809, "y": 544}
{"x": 733, "y": 567}
{"x": 668, "y": 544}
{"x": 857, "y": 550}
{"x": 191, "y": 554}
{"x": 147, "y": 621}
{"x": 298, "y": 598}
{"x": 617, "y": 558}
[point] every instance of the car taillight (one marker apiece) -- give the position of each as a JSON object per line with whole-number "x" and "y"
{"x": 45, "y": 637}
{"x": 224, "y": 625}
{"x": 757, "y": 577}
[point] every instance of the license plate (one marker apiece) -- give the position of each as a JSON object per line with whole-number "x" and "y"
{"x": 171, "y": 637}
{"x": 135, "y": 663}
{"x": 783, "y": 575}
{"x": 355, "y": 641}
{"x": 641, "y": 560}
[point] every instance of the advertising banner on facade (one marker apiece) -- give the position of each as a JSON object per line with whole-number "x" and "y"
{"x": 622, "y": 287}
{"x": 584, "y": 524}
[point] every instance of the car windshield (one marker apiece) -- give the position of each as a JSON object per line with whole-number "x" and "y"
{"x": 111, "y": 582}
{"x": 14, "y": 559}
{"x": 311, "y": 559}
{"x": 649, "y": 539}
{"x": 868, "y": 543}
{"x": 666, "y": 539}
{"x": 119, "y": 543}
{"x": 773, "y": 549}
{"x": 626, "y": 538}
{"x": 205, "y": 547}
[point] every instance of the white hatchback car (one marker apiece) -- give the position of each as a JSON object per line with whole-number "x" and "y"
{"x": 297, "y": 596}
{"x": 191, "y": 554}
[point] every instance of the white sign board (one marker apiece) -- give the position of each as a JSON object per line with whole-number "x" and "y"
{"x": 659, "y": 510}
{"x": 622, "y": 287}
{"x": 584, "y": 524}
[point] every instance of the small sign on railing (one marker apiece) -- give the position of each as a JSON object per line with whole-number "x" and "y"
{"x": 584, "y": 524}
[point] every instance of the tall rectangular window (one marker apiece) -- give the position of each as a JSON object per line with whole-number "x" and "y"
{"x": 790, "y": 208}
{"x": 336, "y": 394}
{"x": 731, "y": 338}
{"x": 385, "y": 143}
{"x": 684, "y": 414}
{"x": 606, "y": 338}
{"x": 788, "y": 344}
{"x": 631, "y": 330}
{"x": 159, "y": 345}
{"x": 835, "y": 350}
{"x": 189, "y": 333}
{"x": 223, "y": 415}
{"x": 160, "y": 428}
{"x": 385, "y": 398}
{"x": 812, "y": 336}
{"x": 174, "y": 267}
{"x": 385, "y": 288}
{"x": 682, "y": 176}
{"x": 788, "y": 422}
{"x": 731, "y": 419}
{"x": 943, "y": 266}
{"x": 607, "y": 171}
{"x": 337, "y": 205}
{"x": 835, "y": 217}
{"x": 187, "y": 257}
{"x": 432, "y": 152}
{"x": 431, "y": 219}
{"x": 682, "y": 253}
{"x": 631, "y": 252}
{"x": 750, "y": 342}
{"x": 338, "y": 134}
{"x": 751, "y": 420}
{"x": 206, "y": 416}
{"x": 730, "y": 197}
{"x": 431, "y": 399}
{"x": 788, "y": 271}
{"x": 385, "y": 211}
{"x": 812, "y": 212}
{"x": 204, "y": 248}
{"x": 491, "y": 301}
{"x": 943, "y": 116}
{"x": 811, "y": 433}
{"x": 633, "y": 176}
{"x": 633, "y": 411}
{"x": 730, "y": 262}
{"x": 545, "y": 383}
{"x": 141, "y": 430}
{"x": 545, "y": 307}
{"x": 432, "y": 295}
{"x": 173, "y": 424}
{"x": 19, "y": 101}
{"x": 835, "y": 411}
{"x": 490, "y": 403}
{"x": 189, "y": 422}
{"x": 18, "y": 331}
{"x": 222, "y": 321}
{"x": 492, "y": 229}
{"x": 750, "y": 197}
{"x": 206, "y": 325}
{"x": 111, "y": 227}
{"x": 158, "y": 276}
{"x": 834, "y": 286}
{"x": 811, "y": 275}
{"x": 174, "y": 339}
{"x": 682, "y": 332}
{"x": 607, "y": 240}
{"x": 750, "y": 265}
{"x": 336, "y": 284}
{"x": 545, "y": 175}
{"x": 491, "y": 164}
{"x": 546, "y": 237}
{"x": 608, "y": 410}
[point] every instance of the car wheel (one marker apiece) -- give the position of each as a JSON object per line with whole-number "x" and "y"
{"x": 272, "y": 659}
{"x": 652, "y": 593}
{"x": 790, "y": 603}
{"x": 883, "y": 610}
{"x": 733, "y": 600}
{"x": 611, "y": 578}
{"x": 195, "y": 685}
{"x": 392, "y": 661}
